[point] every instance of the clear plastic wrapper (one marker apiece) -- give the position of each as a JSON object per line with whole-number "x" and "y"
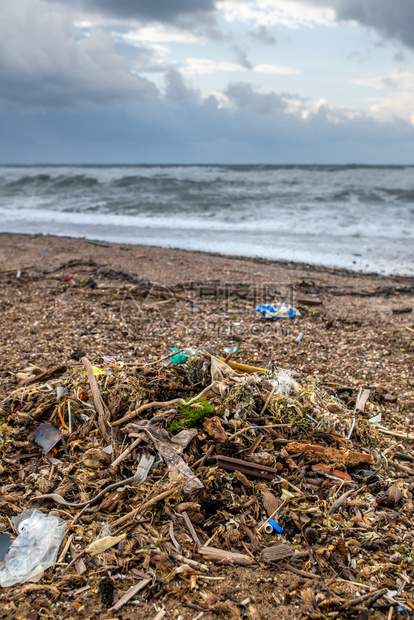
{"x": 34, "y": 550}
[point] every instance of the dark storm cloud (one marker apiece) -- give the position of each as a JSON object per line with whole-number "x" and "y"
{"x": 151, "y": 10}
{"x": 42, "y": 63}
{"x": 191, "y": 132}
{"x": 391, "y": 18}
{"x": 176, "y": 89}
{"x": 246, "y": 98}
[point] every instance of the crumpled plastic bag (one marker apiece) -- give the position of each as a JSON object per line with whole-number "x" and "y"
{"x": 277, "y": 311}
{"x": 34, "y": 550}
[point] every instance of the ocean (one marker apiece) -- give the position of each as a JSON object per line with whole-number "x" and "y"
{"x": 358, "y": 217}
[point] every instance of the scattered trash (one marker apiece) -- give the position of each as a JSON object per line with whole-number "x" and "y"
{"x": 34, "y": 550}
{"x": 299, "y": 337}
{"x": 47, "y": 436}
{"x": 275, "y": 312}
{"x": 272, "y": 525}
{"x": 234, "y": 349}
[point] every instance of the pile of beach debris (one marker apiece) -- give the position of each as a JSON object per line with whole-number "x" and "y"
{"x": 171, "y": 485}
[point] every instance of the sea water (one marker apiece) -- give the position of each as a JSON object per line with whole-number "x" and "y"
{"x": 359, "y": 217}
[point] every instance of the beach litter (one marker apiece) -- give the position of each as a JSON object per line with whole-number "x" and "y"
{"x": 170, "y": 474}
{"x": 34, "y": 550}
{"x": 275, "y": 312}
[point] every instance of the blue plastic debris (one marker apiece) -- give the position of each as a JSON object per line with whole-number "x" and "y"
{"x": 233, "y": 349}
{"x": 275, "y": 526}
{"x": 275, "y": 312}
{"x": 180, "y": 357}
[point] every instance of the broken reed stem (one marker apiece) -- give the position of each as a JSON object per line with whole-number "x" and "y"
{"x": 103, "y": 413}
{"x": 267, "y": 401}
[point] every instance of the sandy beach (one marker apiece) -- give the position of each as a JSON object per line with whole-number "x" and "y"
{"x": 101, "y": 309}
{"x": 63, "y": 299}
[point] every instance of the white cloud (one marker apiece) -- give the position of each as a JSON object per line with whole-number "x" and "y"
{"x": 400, "y": 78}
{"x": 159, "y": 33}
{"x": 204, "y": 66}
{"x": 397, "y": 105}
{"x": 242, "y": 96}
{"x": 288, "y": 13}
{"x": 399, "y": 102}
{"x": 267, "y": 68}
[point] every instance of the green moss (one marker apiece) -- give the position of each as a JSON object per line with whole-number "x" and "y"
{"x": 188, "y": 416}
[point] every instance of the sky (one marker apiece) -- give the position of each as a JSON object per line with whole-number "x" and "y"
{"x": 205, "y": 81}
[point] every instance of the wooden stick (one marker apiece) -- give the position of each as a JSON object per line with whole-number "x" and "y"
{"x": 131, "y": 592}
{"x": 65, "y": 549}
{"x": 395, "y": 433}
{"x": 199, "y": 464}
{"x": 218, "y": 555}
{"x": 255, "y": 445}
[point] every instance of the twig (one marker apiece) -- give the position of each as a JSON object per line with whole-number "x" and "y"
{"x": 395, "y": 433}
{"x": 135, "y": 413}
{"x": 78, "y": 515}
{"x": 271, "y": 516}
{"x": 143, "y": 507}
{"x": 75, "y": 559}
{"x": 248, "y": 428}
{"x": 297, "y": 571}
{"x": 203, "y": 459}
{"x": 365, "y": 597}
{"x": 60, "y": 500}
{"x": 65, "y": 549}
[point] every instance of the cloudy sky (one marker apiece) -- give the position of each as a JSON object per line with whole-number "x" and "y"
{"x": 205, "y": 81}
